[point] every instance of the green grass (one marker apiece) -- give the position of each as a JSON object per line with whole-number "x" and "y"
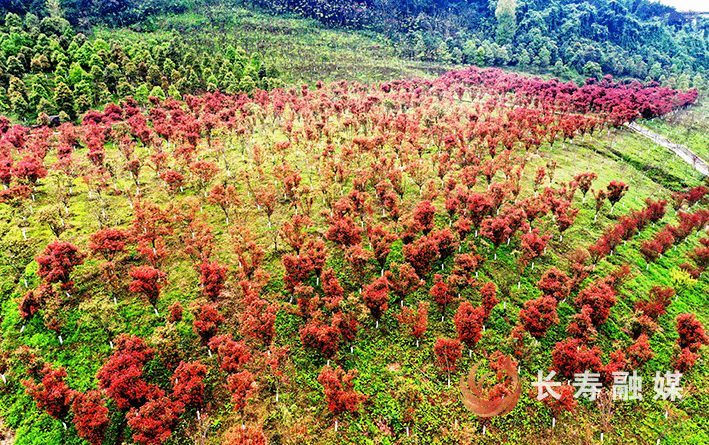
{"x": 688, "y": 127}
{"x": 302, "y": 49}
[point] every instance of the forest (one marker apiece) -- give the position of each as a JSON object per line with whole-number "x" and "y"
{"x": 305, "y": 222}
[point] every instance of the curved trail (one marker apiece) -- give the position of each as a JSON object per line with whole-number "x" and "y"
{"x": 683, "y": 152}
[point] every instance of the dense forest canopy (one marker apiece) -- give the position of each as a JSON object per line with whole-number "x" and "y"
{"x": 624, "y": 38}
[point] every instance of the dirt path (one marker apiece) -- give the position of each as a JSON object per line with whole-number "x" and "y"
{"x": 683, "y": 152}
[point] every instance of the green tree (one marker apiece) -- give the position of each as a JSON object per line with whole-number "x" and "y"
{"x": 96, "y": 60}
{"x": 559, "y": 69}
{"x": 175, "y": 76}
{"x": 19, "y": 105}
{"x": 655, "y": 71}
{"x": 46, "y": 107}
{"x": 154, "y": 75}
{"x": 61, "y": 70}
{"x": 168, "y": 66}
{"x": 230, "y": 85}
{"x": 81, "y": 103}
{"x": 524, "y": 60}
{"x": 480, "y": 56}
{"x": 544, "y": 57}
{"x": 77, "y": 73}
{"x": 141, "y": 94}
{"x": 683, "y": 82}
{"x": 17, "y": 86}
{"x": 111, "y": 76}
{"x": 698, "y": 82}
{"x": 158, "y": 92}
{"x": 84, "y": 88}
{"x": 64, "y": 99}
{"x": 174, "y": 93}
{"x": 15, "y": 66}
{"x": 12, "y": 21}
{"x": 247, "y": 84}
{"x": 54, "y": 9}
{"x": 444, "y": 54}
{"x": 506, "y": 20}
{"x": 97, "y": 75}
{"x": 40, "y": 63}
{"x": 124, "y": 89}
{"x": 592, "y": 69}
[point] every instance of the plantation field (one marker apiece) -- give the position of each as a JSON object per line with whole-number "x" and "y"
{"x": 322, "y": 264}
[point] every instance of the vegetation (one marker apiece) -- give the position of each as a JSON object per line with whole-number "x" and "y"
{"x": 227, "y": 227}
{"x": 308, "y": 226}
{"x": 641, "y": 39}
{"x": 50, "y": 70}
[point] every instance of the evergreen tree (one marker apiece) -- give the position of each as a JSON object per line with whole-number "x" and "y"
{"x": 64, "y": 99}
{"x": 506, "y": 20}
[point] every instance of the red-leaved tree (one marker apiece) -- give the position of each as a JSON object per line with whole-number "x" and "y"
{"x": 148, "y": 281}
{"x": 421, "y": 253}
{"x": 657, "y": 302}
{"x": 555, "y": 283}
{"x": 321, "y": 336}
{"x": 538, "y": 315}
{"x": 416, "y": 322}
{"x": 90, "y": 416}
{"x": 52, "y": 394}
{"x": 376, "y": 297}
{"x": 339, "y": 390}
{"x": 571, "y": 357}
{"x": 108, "y": 243}
{"x": 599, "y": 296}
{"x": 566, "y": 401}
{"x": 232, "y": 355}
{"x": 343, "y": 232}
{"x": 423, "y": 216}
{"x": 212, "y": 278}
{"x": 57, "y": 262}
{"x": 616, "y": 190}
{"x": 442, "y": 294}
{"x": 206, "y": 321}
{"x": 242, "y": 387}
{"x": 469, "y": 323}
{"x": 122, "y": 375}
{"x": 155, "y": 421}
{"x": 447, "y": 352}
{"x": 691, "y": 332}
{"x": 488, "y": 292}
{"x": 188, "y": 386}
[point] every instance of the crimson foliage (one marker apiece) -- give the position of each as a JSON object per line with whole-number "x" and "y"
{"x": 538, "y": 315}
{"x": 339, "y": 392}
{"x": 52, "y": 394}
{"x": 448, "y": 352}
{"x": 90, "y": 416}
{"x": 58, "y": 261}
{"x": 691, "y": 332}
{"x": 469, "y": 323}
{"x": 122, "y": 375}
{"x": 571, "y": 357}
{"x": 189, "y": 387}
{"x": 154, "y": 422}
{"x": 148, "y": 281}
{"x": 212, "y": 278}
